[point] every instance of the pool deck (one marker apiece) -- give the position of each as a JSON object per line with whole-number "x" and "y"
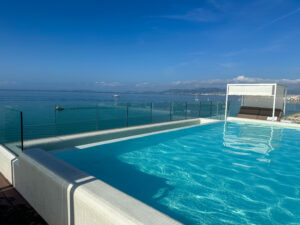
{"x": 14, "y": 209}
{"x": 271, "y": 123}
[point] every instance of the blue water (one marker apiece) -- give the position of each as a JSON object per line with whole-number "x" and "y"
{"x": 90, "y": 111}
{"x": 22, "y": 99}
{"x": 213, "y": 174}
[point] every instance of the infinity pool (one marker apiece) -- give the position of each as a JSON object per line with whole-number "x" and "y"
{"x": 221, "y": 173}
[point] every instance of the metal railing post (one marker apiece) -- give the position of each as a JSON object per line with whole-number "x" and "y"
{"x": 55, "y": 127}
{"x": 151, "y": 111}
{"x": 127, "y": 115}
{"x": 22, "y": 132}
{"x": 170, "y": 111}
{"x": 185, "y": 110}
{"x": 54, "y": 114}
{"x": 199, "y": 112}
{"x": 97, "y": 117}
{"x": 210, "y": 110}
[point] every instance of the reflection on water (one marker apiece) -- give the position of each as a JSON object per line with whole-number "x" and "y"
{"x": 257, "y": 138}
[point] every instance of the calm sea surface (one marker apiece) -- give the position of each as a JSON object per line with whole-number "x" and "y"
{"x": 87, "y": 111}
{"x": 24, "y": 98}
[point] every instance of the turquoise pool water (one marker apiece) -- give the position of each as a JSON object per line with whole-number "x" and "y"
{"x": 221, "y": 173}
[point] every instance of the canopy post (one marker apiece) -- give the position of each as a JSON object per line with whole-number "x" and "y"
{"x": 226, "y": 103}
{"x": 284, "y": 104}
{"x": 274, "y": 102}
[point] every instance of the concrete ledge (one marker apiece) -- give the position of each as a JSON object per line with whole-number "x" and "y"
{"x": 142, "y": 134}
{"x": 7, "y": 159}
{"x": 63, "y": 195}
{"x": 68, "y": 141}
{"x": 271, "y": 123}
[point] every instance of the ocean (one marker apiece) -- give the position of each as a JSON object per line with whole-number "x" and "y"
{"x": 21, "y": 98}
{"x": 51, "y": 113}
{"x": 87, "y": 111}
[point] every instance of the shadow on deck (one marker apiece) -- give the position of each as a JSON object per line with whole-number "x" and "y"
{"x": 14, "y": 209}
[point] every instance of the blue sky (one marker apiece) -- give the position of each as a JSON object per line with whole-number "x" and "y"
{"x": 147, "y": 44}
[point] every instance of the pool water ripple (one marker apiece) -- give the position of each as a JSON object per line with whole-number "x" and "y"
{"x": 223, "y": 173}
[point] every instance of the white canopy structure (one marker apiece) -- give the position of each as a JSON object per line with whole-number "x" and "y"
{"x": 272, "y": 96}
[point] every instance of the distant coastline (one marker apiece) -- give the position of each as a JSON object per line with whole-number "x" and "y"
{"x": 202, "y": 91}
{"x": 198, "y": 91}
{"x": 294, "y": 97}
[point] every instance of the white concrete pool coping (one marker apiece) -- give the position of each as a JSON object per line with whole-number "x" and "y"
{"x": 144, "y": 135}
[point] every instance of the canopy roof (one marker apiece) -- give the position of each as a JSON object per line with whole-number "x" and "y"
{"x": 256, "y": 89}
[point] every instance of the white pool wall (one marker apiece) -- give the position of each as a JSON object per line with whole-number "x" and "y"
{"x": 7, "y": 159}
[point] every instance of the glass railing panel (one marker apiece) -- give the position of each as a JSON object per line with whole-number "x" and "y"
{"x": 10, "y": 129}
{"x": 205, "y": 109}
{"x": 292, "y": 112}
{"x": 139, "y": 113}
{"x": 112, "y": 116}
{"x": 161, "y": 112}
{"x": 292, "y": 108}
{"x": 234, "y": 105}
{"x": 179, "y": 111}
{"x": 220, "y": 114}
{"x": 74, "y": 119}
{"x": 35, "y": 131}
{"x": 193, "y": 109}
{"x": 38, "y": 114}
{"x": 214, "y": 110}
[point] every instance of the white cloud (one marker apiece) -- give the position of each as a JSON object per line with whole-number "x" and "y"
{"x": 239, "y": 79}
{"x": 288, "y": 81}
{"x": 246, "y": 79}
{"x": 195, "y": 15}
{"x": 178, "y": 83}
{"x": 108, "y": 84}
{"x": 194, "y": 84}
{"x": 144, "y": 84}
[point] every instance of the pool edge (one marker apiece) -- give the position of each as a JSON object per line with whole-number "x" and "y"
{"x": 67, "y": 141}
